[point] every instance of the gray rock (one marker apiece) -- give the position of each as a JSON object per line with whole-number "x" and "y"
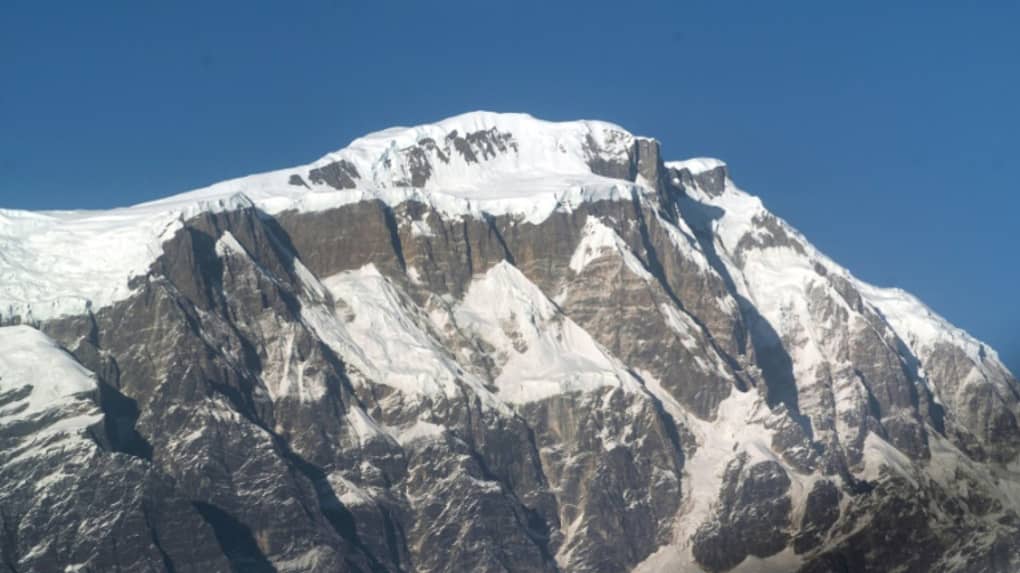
{"x": 752, "y": 519}
{"x": 338, "y": 175}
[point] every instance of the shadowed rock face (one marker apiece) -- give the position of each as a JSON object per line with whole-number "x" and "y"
{"x": 642, "y": 159}
{"x": 305, "y": 392}
{"x": 479, "y": 146}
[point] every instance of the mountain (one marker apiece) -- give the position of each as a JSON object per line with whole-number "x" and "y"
{"x": 492, "y": 343}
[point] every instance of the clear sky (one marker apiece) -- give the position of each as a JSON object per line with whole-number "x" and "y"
{"x": 887, "y": 132}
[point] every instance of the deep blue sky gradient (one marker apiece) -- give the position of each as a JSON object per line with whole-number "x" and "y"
{"x": 886, "y": 132}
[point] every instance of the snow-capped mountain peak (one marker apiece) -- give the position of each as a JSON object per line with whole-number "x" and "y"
{"x": 480, "y": 162}
{"x": 491, "y": 342}
{"x": 478, "y": 156}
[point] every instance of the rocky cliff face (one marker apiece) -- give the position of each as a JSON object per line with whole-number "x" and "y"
{"x": 489, "y": 344}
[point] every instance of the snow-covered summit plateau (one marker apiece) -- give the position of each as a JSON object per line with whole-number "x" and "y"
{"x": 54, "y": 263}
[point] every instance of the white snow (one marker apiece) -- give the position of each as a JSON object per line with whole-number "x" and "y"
{"x": 922, "y": 329}
{"x": 364, "y": 427}
{"x": 781, "y": 282}
{"x": 738, "y": 428}
{"x": 384, "y": 336}
{"x": 30, "y": 358}
{"x": 54, "y": 396}
{"x": 228, "y": 244}
{"x": 777, "y": 280}
{"x": 306, "y": 561}
{"x": 420, "y": 430}
{"x": 784, "y": 285}
{"x": 546, "y": 150}
{"x": 421, "y": 229}
{"x": 696, "y": 165}
{"x": 782, "y": 562}
{"x": 385, "y": 342}
{"x": 598, "y": 240}
{"x": 63, "y": 262}
{"x": 544, "y": 352}
{"x": 880, "y": 455}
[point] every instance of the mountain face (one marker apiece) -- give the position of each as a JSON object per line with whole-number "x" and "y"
{"x": 488, "y": 344}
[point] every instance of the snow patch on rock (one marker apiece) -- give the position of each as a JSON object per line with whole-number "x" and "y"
{"x": 543, "y": 352}
{"x": 598, "y": 240}
{"x": 29, "y": 358}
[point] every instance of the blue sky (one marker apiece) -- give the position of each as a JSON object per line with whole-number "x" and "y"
{"x": 886, "y": 132}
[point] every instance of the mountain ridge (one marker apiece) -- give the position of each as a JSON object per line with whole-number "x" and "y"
{"x": 415, "y": 362}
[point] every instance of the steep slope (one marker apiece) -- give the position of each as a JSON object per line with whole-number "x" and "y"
{"x": 66, "y": 500}
{"x": 497, "y": 344}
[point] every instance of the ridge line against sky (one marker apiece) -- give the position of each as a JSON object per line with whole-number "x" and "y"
{"x": 887, "y": 134}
